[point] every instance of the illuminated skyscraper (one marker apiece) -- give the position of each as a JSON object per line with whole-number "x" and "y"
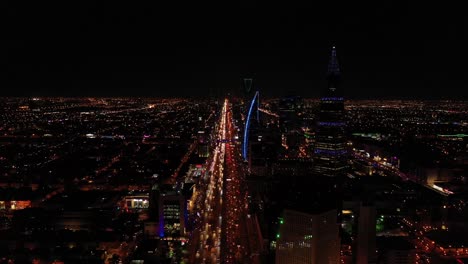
{"x": 252, "y": 112}
{"x": 203, "y": 147}
{"x": 172, "y": 209}
{"x": 330, "y": 154}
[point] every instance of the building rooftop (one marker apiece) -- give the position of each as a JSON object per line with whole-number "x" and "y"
{"x": 312, "y": 197}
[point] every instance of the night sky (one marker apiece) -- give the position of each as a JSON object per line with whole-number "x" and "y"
{"x": 387, "y": 49}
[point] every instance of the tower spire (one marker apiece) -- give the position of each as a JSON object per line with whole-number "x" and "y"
{"x": 333, "y": 66}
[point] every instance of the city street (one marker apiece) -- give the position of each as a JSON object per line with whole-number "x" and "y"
{"x": 206, "y": 237}
{"x": 221, "y": 208}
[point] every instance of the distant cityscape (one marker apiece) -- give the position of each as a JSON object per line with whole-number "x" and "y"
{"x": 234, "y": 179}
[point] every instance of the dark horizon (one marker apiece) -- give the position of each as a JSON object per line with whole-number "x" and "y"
{"x": 220, "y": 97}
{"x": 386, "y": 50}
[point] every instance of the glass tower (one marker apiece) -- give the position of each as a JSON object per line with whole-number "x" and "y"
{"x": 330, "y": 153}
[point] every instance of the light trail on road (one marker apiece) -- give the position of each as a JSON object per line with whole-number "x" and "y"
{"x": 206, "y": 238}
{"x": 224, "y": 231}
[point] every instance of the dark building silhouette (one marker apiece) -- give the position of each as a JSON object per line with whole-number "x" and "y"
{"x": 290, "y": 125}
{"x": 247, "y": 87}
{"x": 308, "y": 238}
{"x": 366, "y": 233}
{"x": 330, "y": 154}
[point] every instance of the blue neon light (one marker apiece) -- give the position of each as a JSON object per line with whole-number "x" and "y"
{"x": 333, "y": 67}
{"x": 161, "y": 225}
{"x": 258, "y": 112}
{"x": 247, "y": 126}
{"x": 330, "y": 152}
{"x": 332, "y": 98}
{"x": 331, "y": 123}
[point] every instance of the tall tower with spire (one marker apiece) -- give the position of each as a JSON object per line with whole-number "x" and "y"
{"x": 330, "y": 153}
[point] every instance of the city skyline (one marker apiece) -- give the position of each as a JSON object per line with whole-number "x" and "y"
{"x": 260, "y": 133}
{"x": 389, "y": 50}
{"x": 187, "y": 180}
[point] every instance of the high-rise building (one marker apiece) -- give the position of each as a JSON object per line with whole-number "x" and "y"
{"x": 247, "y": 87}
{"x": 366, "y": 233}
{"x": 251, "y": 114}
{"x": 263, "y": 149}
{"x": 308, "y": 238}
{"x": 203, "y": 146}
{"x": 172, "y": 209}
{"x": 290, "y": 125}
{"x": 247, "y": 92}
{"x": 330, "y": 154}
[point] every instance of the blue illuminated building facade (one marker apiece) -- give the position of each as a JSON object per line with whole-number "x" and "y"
{"x": 330, "y": 153}
{"x": 253, "y": 108}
